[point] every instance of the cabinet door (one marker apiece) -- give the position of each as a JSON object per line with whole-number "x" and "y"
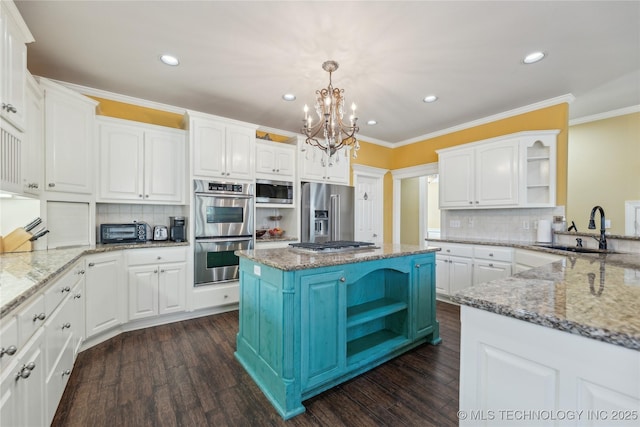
{"x": 460, "y": 273}
{"x": 323, "y": 349}
{"x": 240, "y": 152}
{"x": 164, "y": 166}
{"x": 14, "y": 70}
{"x": 285, "y": 162}
{"x": 338, "y": 171}
{"x": 30, "y": 390}
{"x": 442, "y": 274}
{"x": 424, "y": 295}
{"x": 143, "y": 291}
{"x": 172, "y": 288}
{"x": 69, "y": 129}
{"x": 209, "y": 149}
{"x": 121, "y": 162}
{"x": 104, "y": 292}
{"x": 311, "y": 163}
{"x": 485, "y": 271}
{"x": 456, "y": 179}
{"x": 497, "y": 174}
{"x": 33, "y": 158}
{"x": 265, "y": 159}
{"x": 11, "y": 153}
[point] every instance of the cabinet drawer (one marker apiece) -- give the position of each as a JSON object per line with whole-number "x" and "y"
{"x": 493, "y": 253}
{"x": 156, "y": 256}
{"x": 8, "y": 340}
{"x": 57, "y": 380}
{"x": 58, "y": 330}
{"x": 61, "y": 288}
{"x": 30, "y": 319}
{"x": 455, "y": 249}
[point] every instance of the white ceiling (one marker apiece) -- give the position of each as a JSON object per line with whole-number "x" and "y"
{"x": 239, "y": 57}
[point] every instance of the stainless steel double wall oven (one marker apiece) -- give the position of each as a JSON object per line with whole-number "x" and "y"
{"x": 223, "y": 224}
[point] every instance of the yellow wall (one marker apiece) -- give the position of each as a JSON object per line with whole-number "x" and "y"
{"x": 604, "y": 169}
{"x": 422, "y": 152}
{"x": 410, "y": 212}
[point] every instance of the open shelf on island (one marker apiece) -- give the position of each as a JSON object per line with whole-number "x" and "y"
{"x": 368, "y": 345}
{"x": 372, "y": 310}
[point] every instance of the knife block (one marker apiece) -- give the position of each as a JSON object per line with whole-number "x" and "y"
{"x": 17, "y": 241}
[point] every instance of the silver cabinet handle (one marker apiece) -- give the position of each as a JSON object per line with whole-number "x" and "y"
{"x": 490, "y": 254}
{"x": 159, "y": 257}
{"x": 52, "y": 184}
{"x": 25, "y": 371}
{"x": 417, "y": 265}
{"x": 155, "y": 271}
{"x": 343, "y": 279}
{"x": 140, "y": 195}
{"x": 9, "y": 351}
{"x": 490, "y": 265}
{"x": 65, "y": 289}
{"x": 9, "y": 108}
{"x": 66, "y": 325}
{"x": 40, "y": 316}
{"x": 146, "y": 196}
{"x": 91, "y": 264}
{"x": 470, "y": 202}
{"x": 66, "y": 372}
{"x": 76, "y": 296}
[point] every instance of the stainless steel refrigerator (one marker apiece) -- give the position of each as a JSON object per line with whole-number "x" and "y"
{"x": 327, "y": 212}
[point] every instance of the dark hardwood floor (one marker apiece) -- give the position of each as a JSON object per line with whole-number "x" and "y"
{"x": 185, "y": 374}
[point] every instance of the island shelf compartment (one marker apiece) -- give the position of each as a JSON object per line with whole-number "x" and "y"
{"x": 377, "y": 314}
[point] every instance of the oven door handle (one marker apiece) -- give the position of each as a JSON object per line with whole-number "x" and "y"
{"x": 222, "y": 239}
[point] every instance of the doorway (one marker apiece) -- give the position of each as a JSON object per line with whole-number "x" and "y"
{"x": 369, "y": 208}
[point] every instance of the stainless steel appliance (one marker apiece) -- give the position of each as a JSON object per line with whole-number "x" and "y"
{"x": 160, "y": 232}
{"x": 178, "y": 228}
{"x": 125, "y": 233}
{"x": 223, "y": 216}
{"x": 327, "y": 212}
{"x": 276, "y": 192}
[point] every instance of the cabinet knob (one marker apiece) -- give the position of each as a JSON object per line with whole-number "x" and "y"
{"x": 470, "y": 202}
{"x": 36, "y": 185}
{"x": 140, "y": 195}
{"x": 273, "y": 170}
{"x": 66, "y": 372}
{"x": 40, "y": 316}
{"x": 66, "y": 325}
{"x": 477, "y": 202}
{"x": 343, "y": 279}
{"x": 277, "y": 170}
{"x": 159, "y": 257}
{"x": 161, "y": 271}
{"x": 65, "y": 289}
{"x": 52, "y": 184}
{"x": 77, "y": 296}
{"x": 417, "y": 265}
{"x": 226, "y": 296}
{"x": 146, "y": 196}
{"x": 9, "y": 351}
{"x": 490, "y": 254}
{"x": 9, "y": 108}
{"x": 155, "y": 271}
{"x": 490, "y": 265}
{"x": 228, "y": 173}
{"x": 91, "y": 264}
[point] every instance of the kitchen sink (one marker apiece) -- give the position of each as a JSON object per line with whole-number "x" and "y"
{"x": 576, "y": 249}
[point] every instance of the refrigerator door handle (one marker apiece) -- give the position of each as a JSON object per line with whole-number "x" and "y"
{"x": 335, "y": 216}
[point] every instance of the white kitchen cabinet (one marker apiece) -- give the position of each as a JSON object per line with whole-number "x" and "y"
{"x": 69, "y": 139}
{"x": 538, "y": 161}
{"x": 525, "y": 259}
{"x": 105, "y": 302}
{"x": 11, "y": 158}
{"x": 275, "y": 160}
{"x": 9, "y": 345}
{"x": 491, "y": 263}
{"x": 33, "y": 154}
{"x": 140, "y": 163}
{"x": 314, "y": 165}
{"x": 485, "y": 175}
{"x": 454, "y": 268}
{"x": 157, "y": 281}
{"x": 14, "y": 35}
{"x": 220, "y": 149}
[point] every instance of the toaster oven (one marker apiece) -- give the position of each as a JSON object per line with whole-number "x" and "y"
{"x": 135, "y": 232}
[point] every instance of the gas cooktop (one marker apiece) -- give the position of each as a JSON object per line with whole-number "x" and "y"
{"x": 332, "y": 246}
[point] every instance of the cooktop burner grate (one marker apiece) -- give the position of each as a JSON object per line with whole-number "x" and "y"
{"x": 332, "y": 246}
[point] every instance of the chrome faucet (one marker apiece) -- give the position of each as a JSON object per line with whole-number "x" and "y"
{"x": 602, "y": 241}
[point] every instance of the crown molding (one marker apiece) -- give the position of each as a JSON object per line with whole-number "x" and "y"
{"x": 606, "y": 115}
{"x": 568, "y": 98}
{"x": 368, "y": 170}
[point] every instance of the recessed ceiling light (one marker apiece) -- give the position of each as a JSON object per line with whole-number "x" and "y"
{"x": 533, "y": 57}
{"x": 372, "y": 122}
{"x": 430, "y": 98}
{"x": 289, "y": 97}
{"x": 169, "y": 60}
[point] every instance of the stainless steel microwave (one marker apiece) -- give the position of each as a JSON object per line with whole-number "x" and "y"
{"x": 125, "y": 233}
{"x": 275, "y": 192}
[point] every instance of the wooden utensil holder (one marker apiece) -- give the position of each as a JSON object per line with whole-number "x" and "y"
{"x": 17, "y": 241}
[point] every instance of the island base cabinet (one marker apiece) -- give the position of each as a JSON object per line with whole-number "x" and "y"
{"x": 509, "y": 365}
{"x": 304, "y": 331}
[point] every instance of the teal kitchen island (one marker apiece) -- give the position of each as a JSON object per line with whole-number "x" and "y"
{"x": 311, "y": 321}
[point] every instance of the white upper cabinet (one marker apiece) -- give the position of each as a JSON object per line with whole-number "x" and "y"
{"x": 69, "y": 139}
{"x": 508, "y": 171}
{"x": 14, "y": 35}
{"x": 33, "y": 156}
{"x": 314, "y": 165}
{"x": 275, "y": 160}
{"x": 221, "y": 149}
{"x": 140, "y": 163}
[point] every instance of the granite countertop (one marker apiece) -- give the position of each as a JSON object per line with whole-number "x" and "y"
{"x": 283, "y": 238}
{"x": 289, "y": 259}
{"x": 593, "y": 295}
{"x": 22, "y": 274}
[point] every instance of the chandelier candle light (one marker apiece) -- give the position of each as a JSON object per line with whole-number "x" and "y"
{"x": 336, "y": 134}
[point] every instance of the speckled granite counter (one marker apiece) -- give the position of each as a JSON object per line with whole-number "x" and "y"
{"x": 25, "y": 273}
{"x": 593, "y": 295}
{"x": 292, "y": 259}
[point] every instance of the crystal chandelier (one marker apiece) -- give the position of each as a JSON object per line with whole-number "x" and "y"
{"x": 330, "y": 133}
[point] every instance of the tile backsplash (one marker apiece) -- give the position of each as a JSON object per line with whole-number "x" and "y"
{"x": 151, "y": 214}
{"x": 517, "y": 225}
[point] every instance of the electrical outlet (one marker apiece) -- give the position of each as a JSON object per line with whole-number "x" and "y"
{"x": 525, "y": 225}
{"x": 607, "y": 223}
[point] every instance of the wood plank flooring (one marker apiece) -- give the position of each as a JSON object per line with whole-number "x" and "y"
{"x": 185, "y": 374}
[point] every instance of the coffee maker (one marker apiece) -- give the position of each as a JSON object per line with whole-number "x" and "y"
{"x": 178, "y": 228}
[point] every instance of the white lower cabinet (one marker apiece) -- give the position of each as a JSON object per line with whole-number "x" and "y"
{"x": 454, "y": 268}
{"x": 525, "y": 259}
{"x": 491, "y": 263}
{"x": 105, "y": 301}
{"x": 157, "y": 281}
